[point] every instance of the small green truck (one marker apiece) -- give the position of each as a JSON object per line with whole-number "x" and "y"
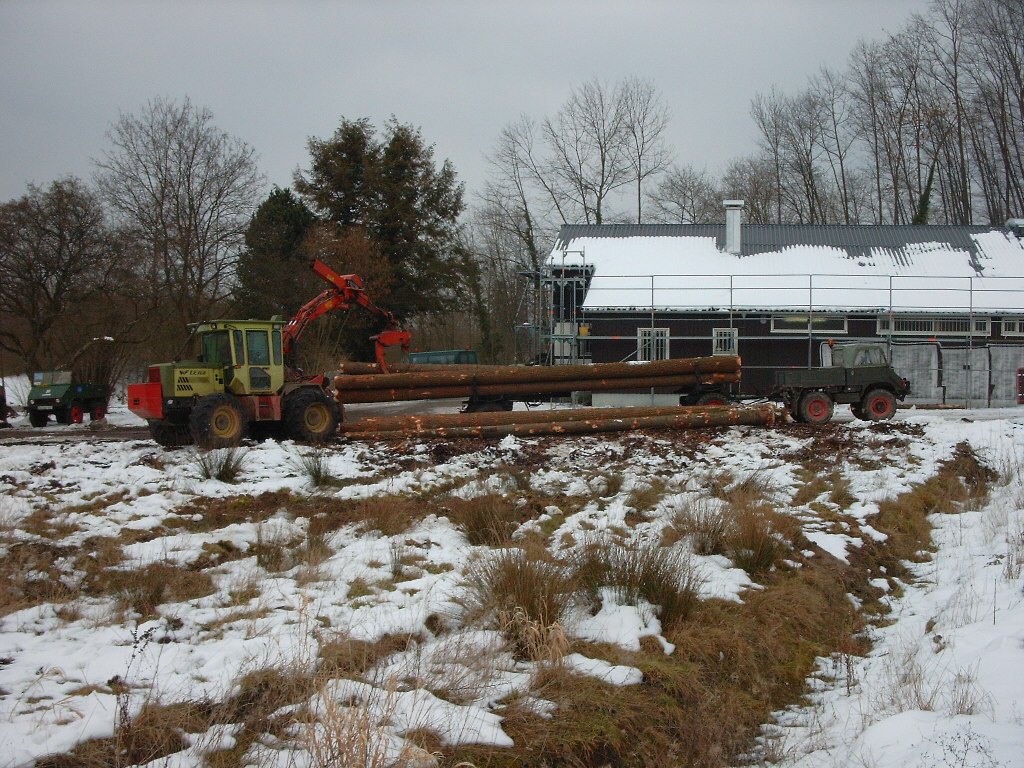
{"x": 58, "y": 393}
{"x": 860, "y": 375}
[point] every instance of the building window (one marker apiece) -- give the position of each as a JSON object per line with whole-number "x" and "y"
{"x": 801, "y": 323}
{"x": 910, "y": 325}
{"x": 1013, "y": 326}
{"x": 652, "y": 344}
{"x": 725, "y": 341}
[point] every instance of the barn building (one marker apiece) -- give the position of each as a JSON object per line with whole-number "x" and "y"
{"x": 947, "y": 301}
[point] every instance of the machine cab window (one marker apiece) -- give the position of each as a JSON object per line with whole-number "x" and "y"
{"x": 258, "y": 346}
{"x": 217, "y": 348}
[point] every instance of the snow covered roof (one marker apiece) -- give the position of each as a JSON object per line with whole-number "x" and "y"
{"x": 798, "y": 267}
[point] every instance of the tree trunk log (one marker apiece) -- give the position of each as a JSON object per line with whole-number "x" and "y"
{"x": 682, "y": 418}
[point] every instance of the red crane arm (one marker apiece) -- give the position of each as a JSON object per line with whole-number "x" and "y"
{"x": 346, "y": 290}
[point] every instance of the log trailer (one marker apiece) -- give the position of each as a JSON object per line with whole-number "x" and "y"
{"x": 859, "y": 376}
{"x": 243, "y": 374}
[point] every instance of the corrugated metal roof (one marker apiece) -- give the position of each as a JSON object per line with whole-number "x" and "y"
{"x": 856, "y": 239}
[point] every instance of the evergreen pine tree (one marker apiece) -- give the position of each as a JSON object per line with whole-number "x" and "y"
{"x": 390, "y": 191}
{"x": 273, "y": 278}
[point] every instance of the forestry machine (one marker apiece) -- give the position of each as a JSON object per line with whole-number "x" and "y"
{"x": 243, "y": 374}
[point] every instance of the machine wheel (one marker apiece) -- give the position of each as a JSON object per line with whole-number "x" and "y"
{"x": 879, "y": 404}
{"x": 38, "y": 418}
{"x": 98, "y": 412}
{"x": 858, "y": 411}
{"x": 75, "y": 414}
{"x": 170, "y": 435}
{"x": 712, "y": 398}
{"x": 816, "y": 408}
{"x": 218, "y": 421}
{"x": 310, "y": 416}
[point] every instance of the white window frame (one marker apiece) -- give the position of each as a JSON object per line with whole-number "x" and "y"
{"x": 803, "y": 330}
{"x": 929, "y": 325}
{"x": 725, "y": 341}
{"x": 1013, "y": 326}
{"x": 652, "y": 340}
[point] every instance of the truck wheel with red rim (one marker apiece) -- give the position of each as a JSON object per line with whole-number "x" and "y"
{"x": 712, "y": 398}
{"x": 97, "y": 413}
{"x": 76, "y": 414}
{"x": 879, "y": 404}
{"x": 816, "y": 408}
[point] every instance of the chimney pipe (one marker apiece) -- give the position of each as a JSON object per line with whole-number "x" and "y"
{"x": 733, "y": 239}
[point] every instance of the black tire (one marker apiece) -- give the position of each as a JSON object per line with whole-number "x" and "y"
{"x": 858, "y": 411}
{"x": 38, "y": 418}
{"x": 218, "y": 421}
{"x": 98, "y": 411}
{"x": 76, "y": 413}
{"x": 310, "y": 416}
{"x": 879, "y": 404}
{"x": 170, "y": 435}
{"x": 816, "y": 407}
{"x": 61, "y": 415}
{"x": 488, "y": 405}
{"x": 712, "y": 398}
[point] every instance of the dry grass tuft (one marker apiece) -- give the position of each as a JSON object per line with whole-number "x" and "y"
{"x": 646, "y": 496}
{"x": 143, "y": 589}
{"x": 487, "y": 520}
{"x": 224, "y": 464}
{"x": 663, "y": 576}
{"x": 314, "y": 464}
{"x": 30, "y": 574}
{"x": 758, "y": 538}
{"x": 518, "y": 596}
{"x": 391, "y": 515}
{"x": 705, "y": 523}
{"x": 154, "y": 733}
{"x": 749, "y": 490}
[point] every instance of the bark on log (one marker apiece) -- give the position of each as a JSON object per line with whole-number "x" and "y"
{"x": 440, "y": 376}
{"x": 416, "y": 422}
{"x": 531, "y": 388}
{"x": 687, "y": 418}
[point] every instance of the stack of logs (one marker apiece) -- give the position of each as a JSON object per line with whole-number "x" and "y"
{"x": 366, "y": 383}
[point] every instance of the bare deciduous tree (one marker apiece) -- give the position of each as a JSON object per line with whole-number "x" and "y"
{"x": 64, "y": 275}
{"x": 686, "y": 196}
{"x": 646, "y": 121}
{"x": 187, "y": 190}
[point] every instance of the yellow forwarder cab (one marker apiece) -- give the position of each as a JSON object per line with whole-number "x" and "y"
{"x": 240, "y": 374}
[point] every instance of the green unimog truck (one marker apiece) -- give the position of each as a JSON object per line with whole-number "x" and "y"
{"x": 860, "y": 375}
{"x": 68, "y": 400}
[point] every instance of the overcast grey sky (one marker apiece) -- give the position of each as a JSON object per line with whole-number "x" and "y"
{"x": 275, "y": 73}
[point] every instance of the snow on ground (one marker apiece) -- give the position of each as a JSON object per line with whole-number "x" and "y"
{"x": 958, "y": 628}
